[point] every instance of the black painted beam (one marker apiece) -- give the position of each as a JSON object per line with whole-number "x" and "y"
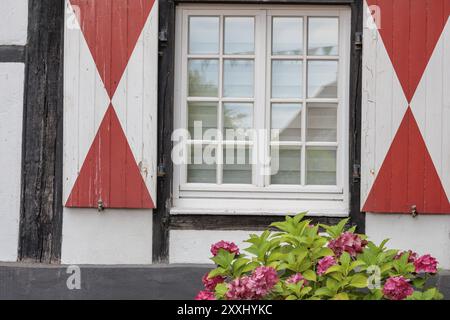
{"x": 12, "y": 53}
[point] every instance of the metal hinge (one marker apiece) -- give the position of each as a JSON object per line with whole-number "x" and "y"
{"x": 356, "y": 172}
{"x": 161, "y": 170}
{"x": 358, "y": 41}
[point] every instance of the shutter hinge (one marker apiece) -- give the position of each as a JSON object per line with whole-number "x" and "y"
{"x": 358, "y": 41}
{"x": 161, "y": 170}
{"x": 356, "y": 172}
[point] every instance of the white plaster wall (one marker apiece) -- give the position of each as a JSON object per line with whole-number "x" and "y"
{"x": 13, "y": 22}
{"x": 11, "y": 110}
{"x": 109, "y": 237}
{"x": 193, "y": 246}
{"x": 423, "y": 234}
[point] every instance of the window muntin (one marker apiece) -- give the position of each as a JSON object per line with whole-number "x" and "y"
{"x": 285, "y": 73}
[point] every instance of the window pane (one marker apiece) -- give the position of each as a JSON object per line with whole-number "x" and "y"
{"x": 321, "y": 122}
{"x": 285, "y": 165}
{"x": 202, "y": 167}
{"x": 286, "y": 79}
{"x": 237, "y": 118}
{"x": 239, "y": 35}
{"x": 204, "y": 35}
{"x": 238, "y": 78}
{"x": 322, "y": 79}
{"x": 323, "y": 36}
{"x": 286, "y": 118}
{"x": 204, "y": 116}
{"x": 320, "y": 166}
{"x": 287, "y": 36}
{"x": 237, "y": 166}
{"x": 203, "y": 77}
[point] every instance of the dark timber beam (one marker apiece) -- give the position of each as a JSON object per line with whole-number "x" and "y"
{"x": 41, "y": 203}
{"x": 12, "y": 54}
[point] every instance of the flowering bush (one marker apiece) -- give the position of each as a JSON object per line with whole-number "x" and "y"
{"x": 297, "y": 262}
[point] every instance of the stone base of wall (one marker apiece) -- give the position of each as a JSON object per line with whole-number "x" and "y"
{"x": 153, "y": 282}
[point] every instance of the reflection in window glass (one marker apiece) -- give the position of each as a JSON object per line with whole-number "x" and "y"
{"x": 287, "y": 79}
{"x": 237, "y": 118}
{"x": 323, "y": 36}
{"x": 286, "y": 117}
{"x": 203, "y": 77}
{"x": 285, "y": 165}
{"x": 204, "y": 35}
{"x": 321, "y": 123}
{"x": 202, "y": 165}
{"x": 239, "y": 35}
{"x": 238, "y": 78}
{"x": 201, "y": 114}
{"x": 320, "y": 166}
{"x": 237, "y": 166}
{"x": 287, "y": 36}
{"x": 322, "y": 79}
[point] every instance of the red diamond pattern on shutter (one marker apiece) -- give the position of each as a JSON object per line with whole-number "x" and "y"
{"x": 110, "y": 172}
{"x": 410, "y": 30}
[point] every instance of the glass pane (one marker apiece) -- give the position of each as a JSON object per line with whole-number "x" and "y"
{"x": 285, "y": 165}
{"x": 287, "y": 119}
{"x": 237, "y": 118}
{"x": 203, "y": 77}
{"x": 287, "y": 36}
{"x": 287, "y": 79}
{"x": 202, "y": 116}
{"x": 239, "y": 35}
{"x": 237, "y": 166}
{"x": 204, "y": 35}
{"x": 323, "y": 36}
{"x": 321, "y": 123}
{"x": 320, "y": 166}
{"x": 322, "y": 79}
{"x": 202, "y": 167}
{"x": 238, "y": 78}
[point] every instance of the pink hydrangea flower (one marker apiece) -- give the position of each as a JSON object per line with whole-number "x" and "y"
{"x": 412, "y": 256}
{"x": 348, "y": 242}
{"x": 397, "y": 288}
{"x": 324, "y": 264}
{"x": 296, "y": 278}
{"x": 211, "y": 283}
{"x": 205, "y": 295}
{"x": 253, "y": 287}
{"x": 225, "y": 245}
{"x": 426, "y": 263}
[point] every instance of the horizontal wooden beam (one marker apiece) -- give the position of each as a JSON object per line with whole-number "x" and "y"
{"x": 12, "y": 54}
{"x": 233, "y": 222}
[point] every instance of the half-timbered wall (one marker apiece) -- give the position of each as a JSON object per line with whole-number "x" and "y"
{"x": 13, "y": 36}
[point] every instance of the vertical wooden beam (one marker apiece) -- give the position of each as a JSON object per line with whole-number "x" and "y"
{"x": 356, "y": 216}
{"x": 41, "y": 203}
{"x": 161, "y": 217}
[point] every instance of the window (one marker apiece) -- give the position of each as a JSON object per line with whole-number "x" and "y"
{"x": 261, "y": 95}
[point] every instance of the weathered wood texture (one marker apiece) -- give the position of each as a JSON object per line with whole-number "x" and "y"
{"x": 406, "y": 108}
{"x": 161, "y": 216}
{"x": 110, "y": 98}
{"x": 12, "y": 53}
{"x": 41, "y": 210}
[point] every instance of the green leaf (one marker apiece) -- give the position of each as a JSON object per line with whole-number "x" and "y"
{"x": 291, "y": 297}
{"x": 356, "y": 264}
{"x": 341, "y": 296}
{"x": 335, "y": 268}
{"x": 345, "y": 261}
{"x": 324, "y": 292}
{"x": 217, "y": 272}
{"x": 310, "y": 275}
{"x": 221, "y": 290}
{"x": 223, "y": 258}
{"x": 332, "y": 284}
{"x": 358, "y": 281}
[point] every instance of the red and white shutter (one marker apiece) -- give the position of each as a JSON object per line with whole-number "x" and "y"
{"x": 110, "y": 103}
{"x": 406, "y": 107}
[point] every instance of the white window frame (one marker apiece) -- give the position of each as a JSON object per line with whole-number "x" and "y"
{"x": 257, "y": 199}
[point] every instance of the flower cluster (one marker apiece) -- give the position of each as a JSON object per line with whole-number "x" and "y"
{"x": 324, "y": 264}
{"x": 211, "y": 283}
{"x": 426, "y": 264}
{"x": 205, "y": 295}
{"x": 347, "y": 242}
{"x": 296, "y": 278}
{"x": 225, "y": 245}
{"x": 397, "y": 288}
{"x": 253, "y": 287}
{"x": 412, "y": 256}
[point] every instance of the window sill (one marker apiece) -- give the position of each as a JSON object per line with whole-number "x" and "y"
{"x": 245, "y": 212}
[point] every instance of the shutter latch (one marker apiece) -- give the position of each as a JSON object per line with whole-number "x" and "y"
{"x": 356, "y": 172}
{"x": 358, "y": 41}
